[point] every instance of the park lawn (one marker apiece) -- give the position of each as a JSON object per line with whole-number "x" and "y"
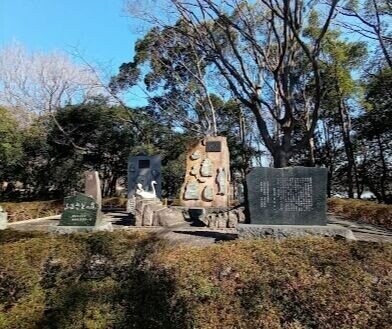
{"x": 137, "y": 280}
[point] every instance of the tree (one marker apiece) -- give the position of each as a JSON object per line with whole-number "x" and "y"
{"x": 262, "y": 53}
{"x": 10, "y": 145}
{"x": 371, "y": 19}
{"x": 375, "y": 134}
{"x": 171, "y": 65}
{"x": 41, "y": 83}
{"x": 338, "y": 60}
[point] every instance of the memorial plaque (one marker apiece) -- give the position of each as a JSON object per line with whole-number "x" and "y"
{"x": 144, "y": 170}
{"x": 80, "y": 210}
{"x": 287, "y": 196}
{"x": 213, "y": 146}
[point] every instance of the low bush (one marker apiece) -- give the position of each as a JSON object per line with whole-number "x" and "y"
{"x": 135, "y": 280}
{"x": 365, "y": 211}
{"x": 18, "y": 211}
{"x": 114, "y": 202}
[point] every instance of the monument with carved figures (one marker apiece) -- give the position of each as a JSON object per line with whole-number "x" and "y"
{"x": 207, "y": 177}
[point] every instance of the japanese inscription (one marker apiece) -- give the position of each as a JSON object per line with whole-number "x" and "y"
{"x": 291, "y": 196}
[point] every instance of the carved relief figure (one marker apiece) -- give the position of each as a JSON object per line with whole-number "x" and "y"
{"x": 221, "y": 181}
{"x": 192, "y": 191}
{"x": 208, "y": 193}
{"x": 195, "y": 155}
{"x": 193, "y": 171}
{"x": 206, "y": 168}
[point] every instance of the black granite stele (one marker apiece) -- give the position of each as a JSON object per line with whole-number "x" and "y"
{"x": 287, "y": 196}
{"x": 80, "y": 210}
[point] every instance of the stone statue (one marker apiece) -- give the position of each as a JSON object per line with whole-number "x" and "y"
{"x": 146, "y": 195}
{"x": 221, "y": 181}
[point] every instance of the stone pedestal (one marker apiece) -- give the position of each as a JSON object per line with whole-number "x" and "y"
{"x": 207, "y": 177}
{"x": 151, "y": 212}
{"x": 71, "y": 229}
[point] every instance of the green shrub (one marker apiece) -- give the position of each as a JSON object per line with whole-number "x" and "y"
{"x": 365, "y": 211}
{"x": 135, "y": 280}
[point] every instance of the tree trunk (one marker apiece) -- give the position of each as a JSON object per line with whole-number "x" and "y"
{"x": 311, "y": 148}
{"x": 281, "y": 158}
{"x": 347, "y": 146}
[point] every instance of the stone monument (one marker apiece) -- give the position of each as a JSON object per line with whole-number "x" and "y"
{"x": 82, "y": 212}
{"x": 3, "y": 219}
{"x": 288, "y": 202}
{"x": 92, "y": 186}
{"x": 145, "y": 172}
{"x": 207, "y": 177}
{"x": 287, "y": 196}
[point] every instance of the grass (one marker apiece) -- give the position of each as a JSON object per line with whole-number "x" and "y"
{"x": 136, "y": 280}
{"x": 18, "y": 211}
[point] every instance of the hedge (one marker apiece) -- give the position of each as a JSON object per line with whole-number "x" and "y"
{"x": 130, "y": 280}
{"x": 365, "y": 211}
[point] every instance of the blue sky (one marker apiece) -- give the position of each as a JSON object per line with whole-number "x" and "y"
{"x": 98, "y": 28}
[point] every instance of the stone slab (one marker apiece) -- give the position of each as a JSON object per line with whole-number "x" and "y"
{"x": 72, "y": 229}
{"x": 287, "y": 196}
{"x": 144, "y": 170}
{"x": 250, "y": 231}
{"x": 80, "y": 210}
{"x": 92, "y": 186}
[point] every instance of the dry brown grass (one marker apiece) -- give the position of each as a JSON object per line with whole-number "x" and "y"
{"x": 364, "y": 211}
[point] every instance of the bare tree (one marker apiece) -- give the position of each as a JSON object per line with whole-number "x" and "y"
{"x": 41, "y": 83}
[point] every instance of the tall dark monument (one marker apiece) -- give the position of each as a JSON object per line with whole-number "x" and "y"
{"x": 287, "y": 196}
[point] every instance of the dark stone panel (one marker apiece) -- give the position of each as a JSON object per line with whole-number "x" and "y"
{"x": 80, "y": 210}
{"x": 144, "y": 170}
{"x": 214, "y": 146}
{"x": 287, "y": 196}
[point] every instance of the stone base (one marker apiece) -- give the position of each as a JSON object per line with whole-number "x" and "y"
{"x": 61, "y": 229}
{"x": 252, "y": 231}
